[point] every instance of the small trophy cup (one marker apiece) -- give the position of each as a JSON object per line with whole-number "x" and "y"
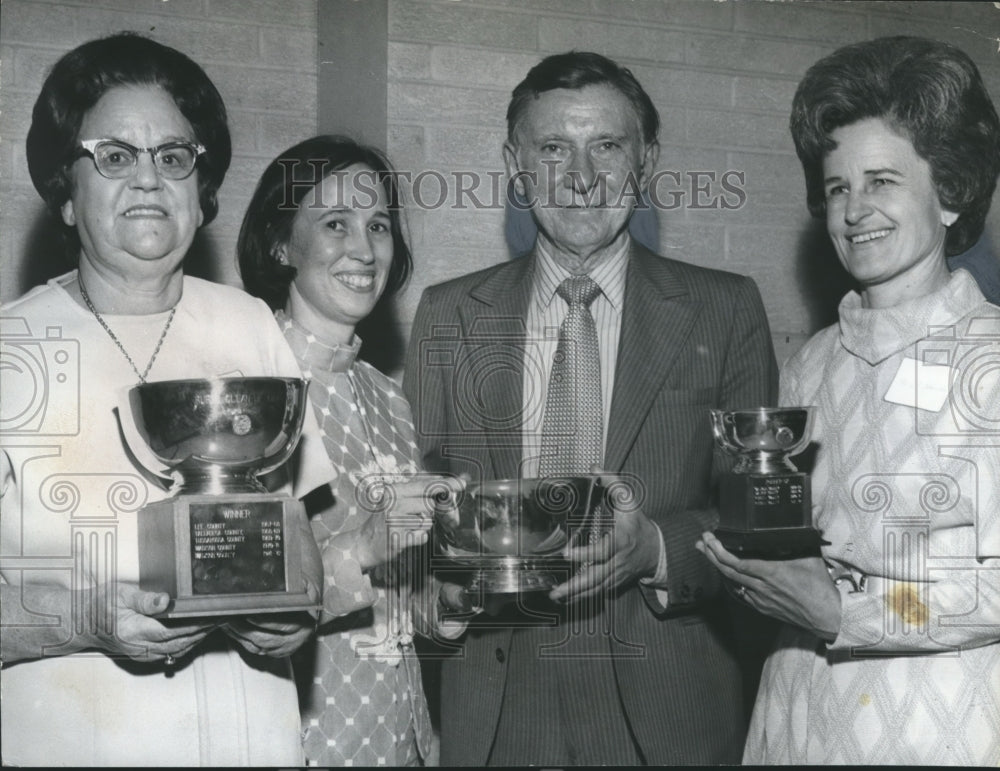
{"x": 765, "y": 508}
{"x": 507, "y": 535}
{"x": 222, "y": 544}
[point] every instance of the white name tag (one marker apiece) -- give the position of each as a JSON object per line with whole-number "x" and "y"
{"x": 920, "y": 385}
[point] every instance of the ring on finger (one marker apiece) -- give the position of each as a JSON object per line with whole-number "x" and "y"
{"x": 169, "y": 660}
{"x": 741, "y": 592}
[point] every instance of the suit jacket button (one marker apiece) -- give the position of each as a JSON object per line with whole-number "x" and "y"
{"x": 500, "y": 656}
{"x": 685, "y": 590}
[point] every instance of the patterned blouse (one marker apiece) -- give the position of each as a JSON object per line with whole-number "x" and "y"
{"x": 906, "y": 488}
{"x": 359, "y": 680}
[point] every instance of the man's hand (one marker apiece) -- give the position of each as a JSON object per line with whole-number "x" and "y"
{"x": 630, "y": 550}
{"x": 797, "y": 591}
{"x": 272, "y": 634}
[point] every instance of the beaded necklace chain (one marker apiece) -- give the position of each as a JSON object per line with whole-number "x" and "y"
{"x": 117, "y": 342}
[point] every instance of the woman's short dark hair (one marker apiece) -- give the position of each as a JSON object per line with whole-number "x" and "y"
{"x": 267, "y": 223}
{"x": 576, "y": 69}
{"x": 81, "y": 77}
{"x": 928, "y": 91}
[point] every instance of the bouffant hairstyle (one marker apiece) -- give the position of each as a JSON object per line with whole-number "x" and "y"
{"x": 286, "y": 181}
{"x": 81, "y": 77}
{"x": 576, "y": 69}
{"x": 932, "y": 94}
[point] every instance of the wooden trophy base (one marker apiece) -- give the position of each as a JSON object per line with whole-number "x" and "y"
{"x": 767, "y": 516}
{"x": 223, "y": 555}
{"x": 784, "y": 543}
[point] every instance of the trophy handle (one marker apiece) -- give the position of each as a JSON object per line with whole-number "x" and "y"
{"x": 719, "y": 419}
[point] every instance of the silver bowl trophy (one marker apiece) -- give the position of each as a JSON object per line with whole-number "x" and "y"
{"x": 507, "y": 535}
{"x": 222, "y": 544}
{"x": 765, "y": 505}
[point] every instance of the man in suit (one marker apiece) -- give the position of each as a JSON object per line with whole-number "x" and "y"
{"x": 630, "y": 660}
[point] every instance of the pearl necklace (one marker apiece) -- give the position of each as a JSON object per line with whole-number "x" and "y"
{"x": 117, "y": 342}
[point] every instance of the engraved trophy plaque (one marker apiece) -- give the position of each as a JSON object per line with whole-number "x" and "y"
{"x": 765, "y": 505}
{"x": 506, "y": 536}
{"x": 221, "y": 544}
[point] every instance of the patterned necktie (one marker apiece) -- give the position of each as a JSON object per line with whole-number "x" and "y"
{"x": 573, "y": 427}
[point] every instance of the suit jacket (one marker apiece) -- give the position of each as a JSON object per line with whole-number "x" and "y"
{"x": 691, "y": 339}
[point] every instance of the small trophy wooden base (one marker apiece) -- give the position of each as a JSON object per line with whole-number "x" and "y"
{"x": 218, "y": 555}
{"x": 767, "y": 515}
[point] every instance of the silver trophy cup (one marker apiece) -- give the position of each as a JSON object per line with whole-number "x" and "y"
{"x": 765, "y": 502}
{"x": 221, "y": 544}
{"x": 507, "y": 535}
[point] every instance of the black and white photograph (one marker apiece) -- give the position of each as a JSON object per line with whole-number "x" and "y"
{"x": 499, "y": 383}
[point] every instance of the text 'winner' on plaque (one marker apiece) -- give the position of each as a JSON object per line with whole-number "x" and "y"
{"x": 237, "y": 548}
{"x": 222, "y": 544}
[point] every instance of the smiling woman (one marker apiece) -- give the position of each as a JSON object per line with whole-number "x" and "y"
{"x": 883, "y": 213}
{"x": 890, "y": 653}
{"x": 341, "y": 247}
{"x": 322, "y": 242}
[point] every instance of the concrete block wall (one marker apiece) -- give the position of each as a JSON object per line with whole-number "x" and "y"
{"x": 260, "y": 54}
{"x": 722, "y": 75}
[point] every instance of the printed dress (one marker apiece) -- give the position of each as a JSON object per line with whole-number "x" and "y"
{"x": 906, "y": 488}
{"x": 359, "y": 680}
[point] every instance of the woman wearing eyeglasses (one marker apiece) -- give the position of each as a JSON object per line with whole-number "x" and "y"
{"x": 128, "y": 146}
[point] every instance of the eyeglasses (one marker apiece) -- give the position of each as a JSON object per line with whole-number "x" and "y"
{"x": 115, "y": 159}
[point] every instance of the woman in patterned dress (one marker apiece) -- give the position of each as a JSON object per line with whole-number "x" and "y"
{"x": 891, "y": 648}
{"x": 322, "y": 243}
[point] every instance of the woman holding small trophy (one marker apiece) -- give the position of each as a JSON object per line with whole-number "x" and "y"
{"x": 891, "y": 648}
{"x": 322, "y": 242}
{"x": 128, "y": 146}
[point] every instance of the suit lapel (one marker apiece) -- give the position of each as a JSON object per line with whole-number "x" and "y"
{"x": 657, "y": 319}
{"x": 494, "y": 324}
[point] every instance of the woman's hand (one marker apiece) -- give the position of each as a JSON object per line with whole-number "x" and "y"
{"x": 402, "y": 517}
{"x": 797, "y": 591}
{"x": 272, "y": 634}
{"x": 281, "y": 634}
{"x": 134, "y": 632}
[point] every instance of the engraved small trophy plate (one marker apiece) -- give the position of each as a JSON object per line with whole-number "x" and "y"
{"x": 765, "y": 507}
